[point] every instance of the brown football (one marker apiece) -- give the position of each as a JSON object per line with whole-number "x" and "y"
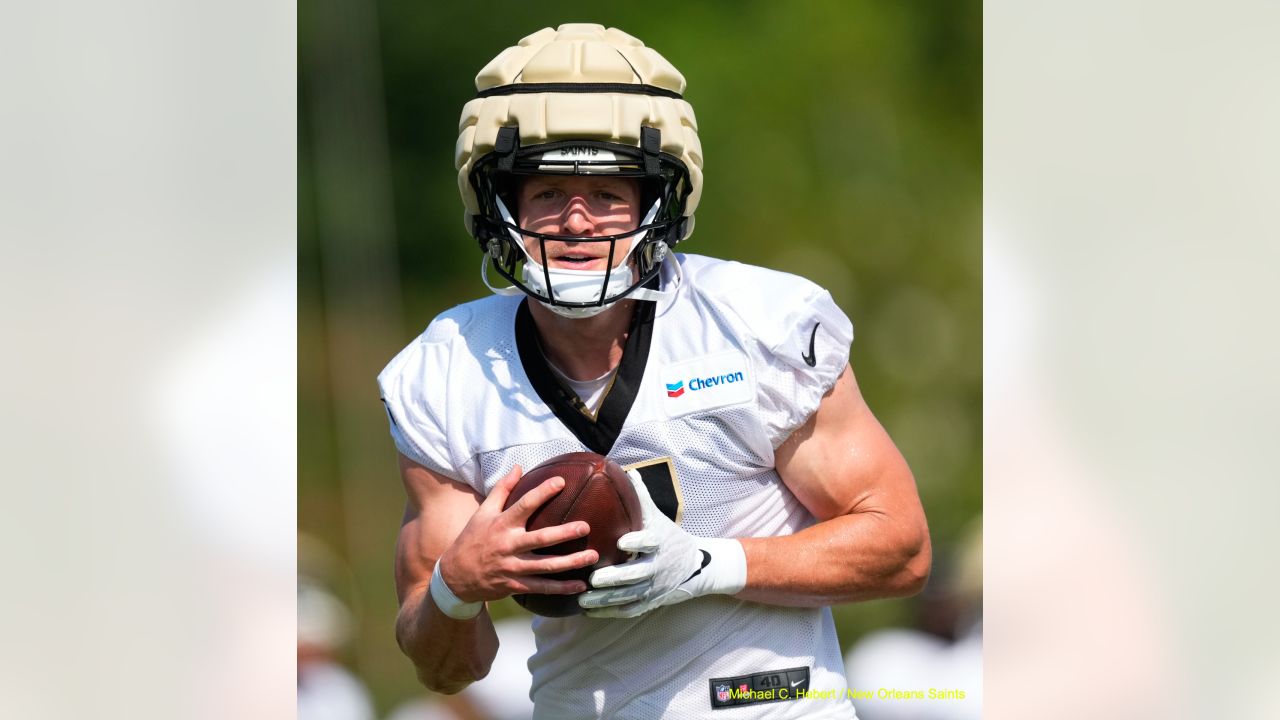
{"x": 597, "y": 491}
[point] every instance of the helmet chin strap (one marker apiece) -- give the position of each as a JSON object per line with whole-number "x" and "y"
{"x": 484, "y": 278}
{"x": 574, "y": 283}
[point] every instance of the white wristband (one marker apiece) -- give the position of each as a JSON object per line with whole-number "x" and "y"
{"x": 727, "y": 571}
{"x": 451, "y": 604}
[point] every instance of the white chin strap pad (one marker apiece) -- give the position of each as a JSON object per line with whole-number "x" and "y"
{"x": 506, "y": 216}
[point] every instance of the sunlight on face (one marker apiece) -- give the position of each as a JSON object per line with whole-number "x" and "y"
{"x": 579, "y": 205}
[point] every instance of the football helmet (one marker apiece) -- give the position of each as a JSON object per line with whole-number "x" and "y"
{"x": 582, "y": 100}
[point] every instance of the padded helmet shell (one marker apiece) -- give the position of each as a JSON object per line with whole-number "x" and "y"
{"x": 578, "y": 53}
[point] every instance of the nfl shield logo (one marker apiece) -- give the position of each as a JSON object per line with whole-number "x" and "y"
{"x": 722, "y": 692}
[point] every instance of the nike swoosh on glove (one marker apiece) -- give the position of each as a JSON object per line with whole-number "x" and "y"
{"x": 673, "y": 566}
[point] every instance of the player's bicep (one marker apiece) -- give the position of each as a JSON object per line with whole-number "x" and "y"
{"x": 436, "y": 511}
{"x": 842, "y": 461}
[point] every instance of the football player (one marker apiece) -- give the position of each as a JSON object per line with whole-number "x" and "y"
{"x": 770, "y": 490}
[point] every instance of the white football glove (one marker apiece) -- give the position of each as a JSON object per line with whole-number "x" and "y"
{"x": 673, "y": 566}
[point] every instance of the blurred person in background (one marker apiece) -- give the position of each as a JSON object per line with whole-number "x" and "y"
{"x": 941, "y": 657}
{"x": 326, "y": 689}
{"x": 724, "y": 388}
{"x": 500, "y": 695}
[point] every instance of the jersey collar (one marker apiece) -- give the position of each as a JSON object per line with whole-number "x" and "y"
{"x": 598, "y": 434}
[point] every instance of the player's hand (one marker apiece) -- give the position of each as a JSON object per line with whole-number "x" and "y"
{"x": 673, "y": 566}
{"x": 493, "y": 557}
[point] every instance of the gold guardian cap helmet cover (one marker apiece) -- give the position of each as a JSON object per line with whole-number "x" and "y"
{"x": 582, "y": 100}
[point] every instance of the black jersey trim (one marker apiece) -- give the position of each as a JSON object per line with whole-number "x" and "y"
{"x": 600, "y": 434}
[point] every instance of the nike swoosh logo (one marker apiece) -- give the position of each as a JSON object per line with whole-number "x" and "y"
{"x": 706, "y": 560}
{"x": 809, "y": 358}
{"x": 796, "y": 683}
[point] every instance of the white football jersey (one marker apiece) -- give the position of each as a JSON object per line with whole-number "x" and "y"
{"x": 711, "y": 381}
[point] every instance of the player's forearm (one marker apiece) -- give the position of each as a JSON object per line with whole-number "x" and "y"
{"x": 448, "y": 654}
{"x": 862, "y": 556}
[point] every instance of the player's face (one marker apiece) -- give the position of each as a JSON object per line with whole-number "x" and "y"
{"x": 586, "y": 206}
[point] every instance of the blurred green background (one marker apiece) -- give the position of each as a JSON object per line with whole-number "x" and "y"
{"x": 842, "y": 143}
